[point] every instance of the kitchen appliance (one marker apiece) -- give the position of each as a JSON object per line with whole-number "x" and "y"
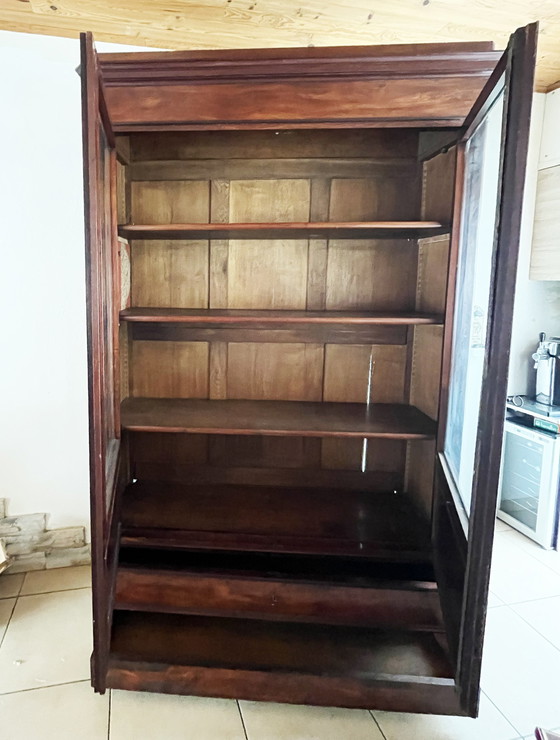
{"x": 529, "y": 479}
{"x": 547, "y": 364}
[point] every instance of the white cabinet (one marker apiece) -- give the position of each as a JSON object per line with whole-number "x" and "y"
{"x": 545, "y": 253}
{"x": 550, "y": 141}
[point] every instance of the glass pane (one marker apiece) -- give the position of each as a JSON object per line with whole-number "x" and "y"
{"x": 521, "y": 478}
{"x": 476, "y": 249}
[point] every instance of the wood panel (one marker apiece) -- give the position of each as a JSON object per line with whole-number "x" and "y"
{"x": 170, "y": 202}
{"x": 288, "y": 372}
{"x": 278, "y": 168}
{"x": 545, "y": 254}
{"x": 426, "y": 369}
{"x": 431, "y": 285}
{"x": 438, "y": 186}
{"x": 359, "y": 373}
{"x": 265, "y": 452}
{"x": 221, "y": 586}
{"x": 170, "y": 369}
{"x": 168, "y": 449}
{"x": 170, "y": 274}
{"x": 419, "y": 479}
{"x": 312, "y": 332}
{"x": 371, "y": 275}
{"x": 297, "y": 663}
{"x": 285, "y": 144}
{"x": 416, "y": 101}
{"x": 367, "y": 199}
{"x": 274, "y": 274}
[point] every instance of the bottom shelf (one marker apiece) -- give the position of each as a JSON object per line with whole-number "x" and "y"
{"x": 286, "y": 662}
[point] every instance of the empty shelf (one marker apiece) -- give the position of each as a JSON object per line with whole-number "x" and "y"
{"x": 285, "y": 418}
{"x": 258, "y": 319}
{"x": 311, "y": 230}
{"x": 318, "y": 521}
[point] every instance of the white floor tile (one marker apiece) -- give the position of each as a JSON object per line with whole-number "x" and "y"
{"x": 58, "y": 579}
{"x": 6, "y": 608}
{"x": 493, "y": 600}
{"x": 264, "y": 721}
{"x": 489, "y": 724}
{"x": 502, "y": 526}
{"x": 551, "y": 558}
{"x": 47, "y": 642}
{"x": 68, "y": 712}
{"x": 520, "y": 672}
{"x": 10, "y": 585}
{"x": 142, "y": 716}
{"x": 544, "y": 616}
{"x": 516, "y": 576}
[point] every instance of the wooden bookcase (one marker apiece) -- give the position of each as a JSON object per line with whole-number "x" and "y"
{"x": 272, "y": 513}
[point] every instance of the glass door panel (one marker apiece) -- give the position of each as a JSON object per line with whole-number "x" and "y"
{"x": 473, "y": 293}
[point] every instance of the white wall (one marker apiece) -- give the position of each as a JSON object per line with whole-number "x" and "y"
{"x": 537, "y": 303}
{"x": 43, "y": 376}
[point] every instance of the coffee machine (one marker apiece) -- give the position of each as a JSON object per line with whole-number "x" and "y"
{"x": 547, "y": 364}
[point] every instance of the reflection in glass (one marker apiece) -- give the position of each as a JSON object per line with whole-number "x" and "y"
{"x": 476, "y": 249}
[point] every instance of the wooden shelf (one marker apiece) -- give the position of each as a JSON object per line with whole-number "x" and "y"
{"x": 294, "y": 662}
{"x": 278, "y": 587}
{"x": 324, "y": 521}
{"x": 284, "y": 418}
{"x": 304, "y": 230}
{"x": 263, "y": 319}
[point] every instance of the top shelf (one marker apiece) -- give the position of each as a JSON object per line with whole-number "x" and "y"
{"x": 306, "y": 230}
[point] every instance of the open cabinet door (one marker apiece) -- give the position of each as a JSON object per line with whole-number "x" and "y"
{"x": 492, "y": 155}
{"x": 103, "y": 298}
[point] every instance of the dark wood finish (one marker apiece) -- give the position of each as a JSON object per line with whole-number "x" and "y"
{"x": 303, "y": 419}
{"x": 315, "y": 333}
{"x": 478, "y": 58}
{"x": 304, "y": 664}
{"x": 107, "y": 466}
{"x": 304, "y": 520}
{"x": 521, "y": 55}
{"x": 268, "y": 507}
{"x": 278, "y": 588}
{"x": 423, "y": 85}
{"x": 307, "y": 230}
{"x": 265, "y": 319}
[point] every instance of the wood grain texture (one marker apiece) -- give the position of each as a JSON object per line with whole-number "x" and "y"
{"x": 419, "y": 478}
{"x": 287, "y": 372}
{"x": 431, "y": 282}
{"x": 286, "y": 230}
{"x": 219, "y": 248}
{"x": 170, "y": 273}
{"x": 170, "y": 369}
{"x": 426, "y": 369}
{"x": 218, "y": 370}
{"x": 283, "y": 418}
{"x": 438, "y": 181}
{"x": 361, "y": 373}
{"x": 384, "y": 526}
{"x": 263, "y": 319}
{"x": 170, "y": 202}
{"x": 264, "y": 452}
{"x": 545, "y": 252}
{"x": 363, "y": 275}
{"x": 356, "y": 144}
{"x": 222, "y": 589}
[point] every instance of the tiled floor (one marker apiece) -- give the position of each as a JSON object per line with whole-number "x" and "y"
{"x": 45, "y": 694}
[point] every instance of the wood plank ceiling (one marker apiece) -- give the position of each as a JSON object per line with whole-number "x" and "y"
{"x": 206, "y": 24}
